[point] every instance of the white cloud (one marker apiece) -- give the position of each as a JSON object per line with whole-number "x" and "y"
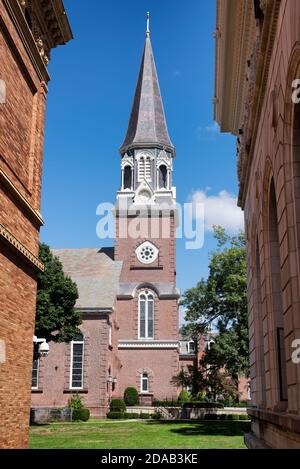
{"x": 210, "y": 132}
{"x": 214, "y": 128}
{"x": 220, "y": 209}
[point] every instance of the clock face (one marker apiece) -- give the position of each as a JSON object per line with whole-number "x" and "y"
{"x": 147, "y": 253}
{"x": 144, "y": 196}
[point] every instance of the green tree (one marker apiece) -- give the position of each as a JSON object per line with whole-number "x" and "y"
{"x": 56, "y": 318}
{"x": 220, "y": 302}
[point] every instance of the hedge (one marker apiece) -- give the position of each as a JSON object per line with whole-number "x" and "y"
{"x": 203, "y": 405}
{"x": 166, "y": 403}
{"x": 115, "y": 415}
{"x": 131, "y": 396}
{"x": 131, "y": 415}
{"x": 81, "y": 414}
{"x": 117, "y": 405}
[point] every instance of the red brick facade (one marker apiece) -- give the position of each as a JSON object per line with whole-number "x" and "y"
{"x": 159, "y": 362}
{"x": 22, "y": 115}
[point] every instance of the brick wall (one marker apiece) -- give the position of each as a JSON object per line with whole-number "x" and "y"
{"x": 274, "y": 160}
{"x": 21, "y": 152}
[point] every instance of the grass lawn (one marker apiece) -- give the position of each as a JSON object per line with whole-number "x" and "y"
{"x": 105, "y": 434}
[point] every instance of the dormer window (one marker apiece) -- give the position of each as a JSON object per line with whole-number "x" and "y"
{"x": 163, "y": 177}
{"x": 127, "y": 177}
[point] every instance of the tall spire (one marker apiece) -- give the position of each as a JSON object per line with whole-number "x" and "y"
{"x": 147, "y": 124}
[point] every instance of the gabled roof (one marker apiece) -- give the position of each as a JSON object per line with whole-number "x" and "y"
{"x": 147, "y": 124}
{"x": 96, "y": 274}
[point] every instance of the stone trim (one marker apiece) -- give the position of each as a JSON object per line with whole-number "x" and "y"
{"x": 19, "y": 21}
{"x": 284, "y": 420}
{"x": 6, "y": 236}
{"x": 259, "y": 86}
{"x": 17, "y": 194}
{"x": 147, "y": 344}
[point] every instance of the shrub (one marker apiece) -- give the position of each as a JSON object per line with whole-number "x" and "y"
{"x": 229, "y": 417}
{"x": 132, "y": 415}
{"x": 241, "y": 404}
{"x": 117, "y": 405}
{"x": 75, "y": 402}
{"x": 131, "y": 396}
{"x": 115, "y": 415}
{"x": 203, "y": 405}
{"x": 166, "y": 403}
{"x": 244, "y": 417}
{"x": 235, "y": 417}
{"x": 222, "y": 417}
{"x": 156, "y": 416}
{"x": 210, "y": 417}
{"x": 184, "y": 396}
{"x": 144, "y": 416}
{"x": 81, "y": 414}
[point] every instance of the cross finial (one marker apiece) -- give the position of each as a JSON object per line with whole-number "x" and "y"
{"x": 148, "y": 24}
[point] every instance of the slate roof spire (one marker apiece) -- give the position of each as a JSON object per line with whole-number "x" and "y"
{"x": 147, "y": 124}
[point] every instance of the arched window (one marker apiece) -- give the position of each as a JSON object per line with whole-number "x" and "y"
{"x": 260, "y": 387}
{"x": 127, "y": 177}
{"x": 144, "y": 382}
{"x": 77, "y": 356}
{"x": 146, "y": 315}
{"x": 144, "y": 168}
{"x": 277, "y": 294}
{"x": 163, "y": 177}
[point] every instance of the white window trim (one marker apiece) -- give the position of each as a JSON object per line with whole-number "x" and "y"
{"x": 146, "y": 293}
{"x": 110, "y": 336}
{"x": 37, "y": 376}
{"x": 142, "y": 379}
{"x": 71, "y": 364}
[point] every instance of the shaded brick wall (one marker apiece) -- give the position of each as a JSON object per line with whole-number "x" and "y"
{"x": 273, "y": 159}
{"x": 21, "y": 151}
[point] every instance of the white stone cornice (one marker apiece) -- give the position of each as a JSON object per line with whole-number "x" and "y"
{"x": 148, "y": 344}
{"x": 236, "y": 28}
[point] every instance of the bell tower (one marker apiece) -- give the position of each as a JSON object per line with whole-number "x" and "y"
{"x": 147, "y": 302}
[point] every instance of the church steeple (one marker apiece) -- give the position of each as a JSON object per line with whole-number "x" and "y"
{"x": 147, "y": 125}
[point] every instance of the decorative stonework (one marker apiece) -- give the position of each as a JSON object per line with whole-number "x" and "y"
{"x": 148, "y": 344}
{"x": 147, "y": 253}
{"x": 7, "y": 236}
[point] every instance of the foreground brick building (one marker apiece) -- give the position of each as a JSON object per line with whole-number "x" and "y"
{"x": 257, "y": 61}
{"x": 127, "y": 295}
{"x": 28, "y": 32}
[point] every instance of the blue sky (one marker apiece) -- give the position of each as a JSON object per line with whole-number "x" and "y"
{"x": 89, "y": 102}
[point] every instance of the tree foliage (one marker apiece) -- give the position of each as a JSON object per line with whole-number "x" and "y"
{"x": 220, "y": 303}
{"x": 56, "y": 318}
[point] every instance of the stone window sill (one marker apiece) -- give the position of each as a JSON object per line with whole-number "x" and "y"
{"x": 75, "y": 391}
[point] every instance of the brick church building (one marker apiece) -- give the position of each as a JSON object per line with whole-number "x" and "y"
{"x": 127, "y": 294}
{"x": 29, "y": 30}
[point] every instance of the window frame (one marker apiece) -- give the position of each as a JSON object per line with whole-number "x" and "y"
{"x": 147, "y": 294}
{"x": 37, "y": 374}
{"x": 143, "y": 378}
{"x": 76, "y": 342}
